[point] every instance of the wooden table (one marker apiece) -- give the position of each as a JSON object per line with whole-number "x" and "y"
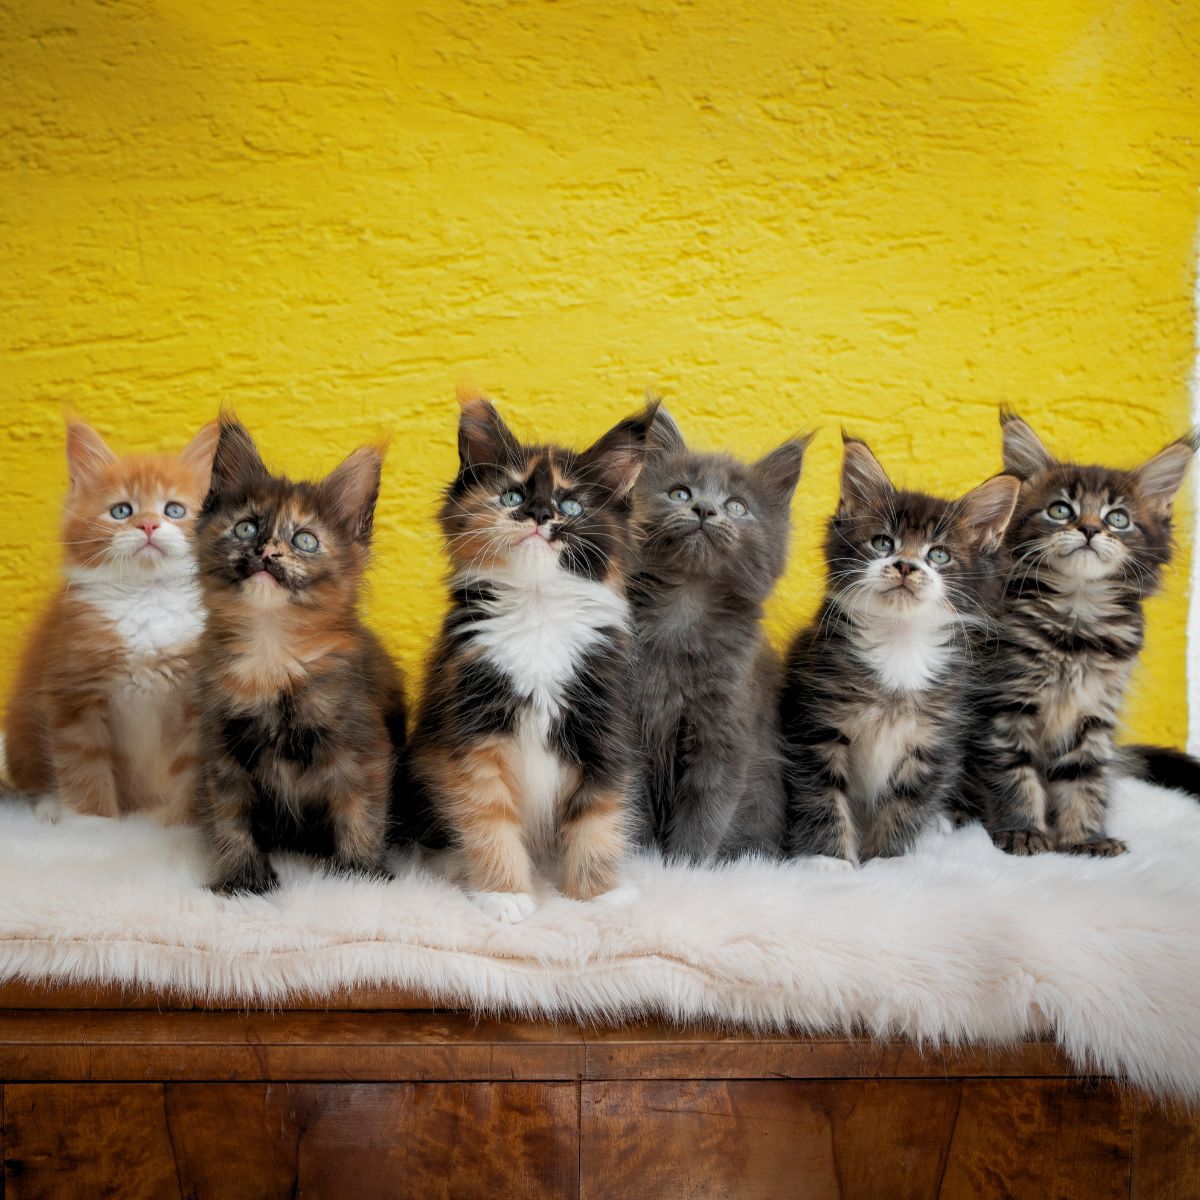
{"x": 106, "y": 1093}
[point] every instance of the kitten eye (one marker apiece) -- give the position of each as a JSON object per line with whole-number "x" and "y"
{"x": 245, "y": 530}
{"x": 571, "y": 507}
{"x": 939, "y": 555}
{"x": 680, "y": 494}
{"x": 735, "y": 508}
{"x": 175, "y": 510}
{"x": 882, "y": 543}
{"x": 305, "y": 541}
{"x": 1118, "y": 518}
{"x": 121, "y": 512}
{"x": 1060, "y": 510}
{"x": 512, "y": 498}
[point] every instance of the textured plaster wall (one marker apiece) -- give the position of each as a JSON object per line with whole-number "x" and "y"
{"x": 782, "y": 214}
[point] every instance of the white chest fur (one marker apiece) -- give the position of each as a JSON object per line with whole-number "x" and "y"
{"x": 880, "y": 738}
{"x": 150, "y": 618}
{"x": 907, "y": 654}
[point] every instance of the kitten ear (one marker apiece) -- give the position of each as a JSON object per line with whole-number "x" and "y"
{"x": 87, "y": 455}
{"x": 665, "y": 436}
{"x": 350, "y": 491}
{"x": 199, "y": 452}
{"x": 1160, "y": 477}
{"x": 779, "y": 471}
{"x": 236, "y": 463}
{"x": 483, "y": 438}
{"x": 619, "y": 454}
{"x": 863, "y": 479}
{"x": 1024, "y": 454}
{"x": 987, "y": 510}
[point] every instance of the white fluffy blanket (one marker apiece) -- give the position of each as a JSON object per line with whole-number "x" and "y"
{"x": 955, "y": 943}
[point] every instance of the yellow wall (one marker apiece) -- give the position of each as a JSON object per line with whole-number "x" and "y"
{"x": 783, "y": 214}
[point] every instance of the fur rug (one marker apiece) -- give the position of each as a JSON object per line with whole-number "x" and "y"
{"x": 955, "y": 943}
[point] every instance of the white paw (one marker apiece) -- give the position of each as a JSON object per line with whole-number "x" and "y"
{"x": 48, "y": 809}
{"x": 509, "y": 907}
{"x": 827, "y": 863}
{"x": 620, "y": 897}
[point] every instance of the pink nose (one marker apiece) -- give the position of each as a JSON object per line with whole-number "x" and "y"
{"x": 148, "y": 527}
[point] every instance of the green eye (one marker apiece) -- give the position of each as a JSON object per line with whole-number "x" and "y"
{"x": 121, "y": 512}
{"x": 680, "y": 494}
{"x": 882, "y": 544}
{"x": 245, "y": 530}
{"x": 1060, "y": 510}
{"x": 175, "y": 510}
{"x": 305, "y": 541}
{"x": 939, "y": 555}
{"x": 571, "y": 507}
{"x": 735, "y": 508}
{"x": 1117, "y": 518}
{"x": 512, "y": 498}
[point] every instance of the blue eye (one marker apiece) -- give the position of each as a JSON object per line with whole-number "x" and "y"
{"x": 121, "y": 512}
{"x": 1118, "y": 518}
{"x": 939, "y": 555}
{"x": 305, "y": 541}
{"x": 1060, "y": 511}
{"x": 512, "y": 498}
{"x": 882, "y": 544}
{"x": 736, "y": 508}
{"x": 245, "y": 530}
{"x": 175, "y": 510}
{"x": 680, "y": 494}
{"x": 571, "y": 507}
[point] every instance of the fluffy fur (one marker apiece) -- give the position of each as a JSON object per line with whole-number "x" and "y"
{"x": 875, "y": 702}
{"x": 523, "y": 746}
{"x": 302, "y": 711}
{"x": 1088, "y": 545}
{"x": 949, "y": 944}
{"x": 712, "y": 541}
{"x": 100, "y": 711}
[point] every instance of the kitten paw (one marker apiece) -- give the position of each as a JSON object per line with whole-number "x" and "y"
{"x": 1097, "y": 847}
{"x": 827, "y": 864}
{"x": 48, "y": 809}
{"x": 507, "y": 907}
{"x": 620, "y": 897}
{"x": 252, "y": 878}
{"x": 1022, "y": 842}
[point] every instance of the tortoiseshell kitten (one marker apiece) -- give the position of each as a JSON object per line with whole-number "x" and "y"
{"x": 524, "y": 745}
{"x": 712, "y": 541}
{"x": 875, "y": 700}
{"x": 302, "y": 710}
{"x": 1088, "y": 545}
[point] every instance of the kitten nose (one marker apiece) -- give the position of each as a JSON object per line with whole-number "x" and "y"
{"x": 704, "y": 510}
{"x": 540, "y": 512}
{"x": 148, "y": 527}
{"x": 271, "y": 551}
{"x": 906, "y": 568}
{"x": 1089, "y": 530}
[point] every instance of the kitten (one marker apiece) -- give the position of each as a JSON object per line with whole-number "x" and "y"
{"x": 99, "y": 711}
{"x": 1088, "y": 545}
{"x": 874, "y": 705}
{"x": 302, "y": 710}
{"x": 523, "y": 744}
{"x": 713, "y": 539}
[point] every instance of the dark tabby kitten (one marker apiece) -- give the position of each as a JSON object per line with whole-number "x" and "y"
{"x": 874, "y": 706}
{"x": 524, "y": 745}
{"x": 302, "y": 710}
{"x": 1088, "y": 545}
{"x": 713, "y": 539}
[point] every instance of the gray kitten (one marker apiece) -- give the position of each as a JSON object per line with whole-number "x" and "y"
{"x": 713, "y": 539}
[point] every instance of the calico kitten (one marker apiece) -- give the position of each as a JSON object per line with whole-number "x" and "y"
{"x": 875, "y": 698}
{"x": 523, "y": 744}
{"x": 1088, "y": 545}
{"x": 99, "y": 711}
{"x": 712, "y": 541}
{"x": 302, "y": 710}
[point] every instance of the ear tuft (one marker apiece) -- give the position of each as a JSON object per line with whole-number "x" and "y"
{"x": 88, "y": 455}
{"x": 987, "y": 509}
{"x": 236, "y": 463}
{"x": 1024, "y": 453}
{"x": 864, "y": 480}
{"x": 1159, "y": 478}
{"x": 665, "y": 436}
{"x": 483, "y": 438}
{"x": 779, "y": 471}
{"x": 199, "y": 452}
{"x": 619, "y": 454}
{"x": 352, "y": 489}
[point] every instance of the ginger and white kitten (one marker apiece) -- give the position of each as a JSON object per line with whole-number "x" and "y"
{"x": 524, "y": 746}
{"x": 100, "y": 711}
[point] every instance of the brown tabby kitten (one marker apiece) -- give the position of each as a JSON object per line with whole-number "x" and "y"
{"x": 302, "y": 709}
{"x": 1088, "y": 546}
{"x": 524, "y": 745}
